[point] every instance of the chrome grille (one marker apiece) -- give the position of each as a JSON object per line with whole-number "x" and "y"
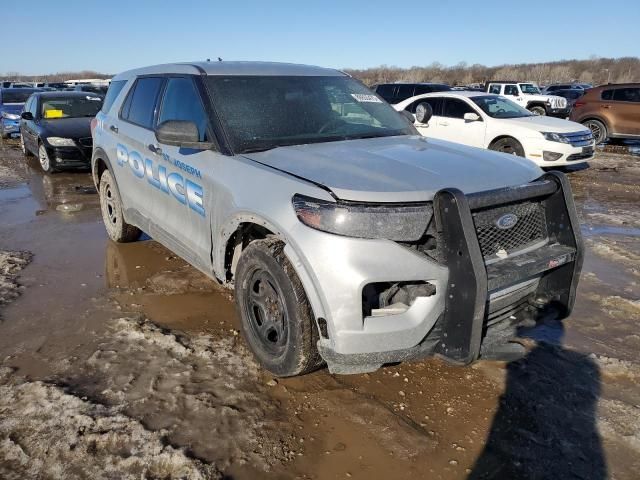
{"x": 579, "y": 139}
{"x": 86, "y": 141}
{"x": 558, "y": 102}
{"x": 531, "y": 227}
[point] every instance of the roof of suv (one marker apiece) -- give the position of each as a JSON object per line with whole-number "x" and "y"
{"x": 232, "y": 68}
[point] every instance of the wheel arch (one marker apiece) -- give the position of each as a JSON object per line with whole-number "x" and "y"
{"x": 99, "y": 163}
{"x": 242, "y": 231}
{"x": 502, "y": 137}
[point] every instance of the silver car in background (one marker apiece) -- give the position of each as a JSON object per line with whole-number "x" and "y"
{"x": 349, "y": 238}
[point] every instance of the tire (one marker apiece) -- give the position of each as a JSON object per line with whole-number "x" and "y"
{"x": 111, "y": 207}
{"x": 598, "y": 129}
{"x": 277, "y": 320}
{"x": 45, "y": 162}
{"x": 508, "y": 145}
{"x": 25, "y": 151}
{"x": 538, "y": 110}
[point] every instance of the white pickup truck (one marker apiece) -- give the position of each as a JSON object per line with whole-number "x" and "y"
{"x": 528, "y": 95}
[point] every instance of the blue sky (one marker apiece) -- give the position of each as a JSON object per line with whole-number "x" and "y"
{"x": 43, "y": 36}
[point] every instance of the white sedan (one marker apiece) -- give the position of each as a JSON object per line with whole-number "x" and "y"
{"x": 491, "y": 121}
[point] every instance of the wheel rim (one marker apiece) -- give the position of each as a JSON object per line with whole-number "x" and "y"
{"x": 44, "y": 158}
{"x": 509, "y": 149}
{"x": 596, "y": 130}
{"x": 264, "y": 307}
{"x": 108, "y": 204}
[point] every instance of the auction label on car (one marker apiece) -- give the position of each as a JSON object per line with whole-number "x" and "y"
{"x": 364, "y": 98}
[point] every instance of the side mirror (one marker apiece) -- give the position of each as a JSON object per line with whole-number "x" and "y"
{"x": 424, "y": 112}
{"x": 408, "y": 115}
{"x": 180, "y": 133}
{"x": 471, "y": 117}
{"x": 26, "y": 116}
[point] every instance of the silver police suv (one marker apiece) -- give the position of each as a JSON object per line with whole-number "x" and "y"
{"x": 350, "y": 239}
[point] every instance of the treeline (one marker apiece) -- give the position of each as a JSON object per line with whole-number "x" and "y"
{"x": 595, "y": 70}
{"x": 52, "y": 77}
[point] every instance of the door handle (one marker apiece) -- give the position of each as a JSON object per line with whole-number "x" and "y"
{"x": 154, "y": 149}
{"x": 606, "y": 106}
{"x": 444, "y": 124}
{"x": 113, "y": 128}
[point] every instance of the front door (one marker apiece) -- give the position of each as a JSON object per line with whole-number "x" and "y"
{"x": 453, "y": 127}
{"x": 189, "y": 171}
{"x": 429, "y": 129}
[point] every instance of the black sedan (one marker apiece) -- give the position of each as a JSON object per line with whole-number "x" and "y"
{"x": 56, "y": 126}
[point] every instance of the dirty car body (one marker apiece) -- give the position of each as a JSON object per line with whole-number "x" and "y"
{"x": 404, "y": 246}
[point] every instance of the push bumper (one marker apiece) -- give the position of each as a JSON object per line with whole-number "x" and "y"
{"x": 479, "y": 295}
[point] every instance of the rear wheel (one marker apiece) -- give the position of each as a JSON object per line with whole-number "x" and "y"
{"x": 276, "y": 317}
{"x": 538, "y": 110}
{"x": 111, "y": 206}
{"x": 598, "y": 129}
{"x": 508, "y": 145}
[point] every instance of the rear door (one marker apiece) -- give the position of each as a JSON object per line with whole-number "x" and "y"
{"x": 134, "y": 135}
{"x": 625, "y": 109}
{"x": 429, "y": 129}
{"x": 190, "y": 172}
{"x": 453, "y": 127}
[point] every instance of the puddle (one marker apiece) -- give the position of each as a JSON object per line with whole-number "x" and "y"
{"x": 593, "y": 230}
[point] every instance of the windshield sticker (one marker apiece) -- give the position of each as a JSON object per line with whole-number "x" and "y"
{"x": 53, "y": 114}
{"x": 364, "y": 98}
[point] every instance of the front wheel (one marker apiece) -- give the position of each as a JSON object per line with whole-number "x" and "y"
{"x": 598, "y": 129}
{"x": 538, "y": 110}
{"x": 508, "y": 145}
{"x": 277, "y": 320}
{"x": 45, "y": 161}
{"x": 111, "y": 206}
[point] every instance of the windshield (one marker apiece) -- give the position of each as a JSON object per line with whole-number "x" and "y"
{"x": 500, "y": 107}
{"x": 70, "y": 107}
{"x": 16, "y": 96}
{"x": 260, "y": 113}
{"x": 529, "y": 88}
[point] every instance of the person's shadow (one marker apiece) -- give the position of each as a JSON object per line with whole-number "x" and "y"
{"x": 545, "y": 426}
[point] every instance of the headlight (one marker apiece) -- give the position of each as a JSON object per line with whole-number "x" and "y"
{"x": 60, "y": 142}
{"x": 10, "y": 116}
{"x": 555, "y": 137}
{"x": 386, "y": 221}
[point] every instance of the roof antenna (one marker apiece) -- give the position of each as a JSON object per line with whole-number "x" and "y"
{"x": 208, "y": 59}
{"x": 219, "y": 59}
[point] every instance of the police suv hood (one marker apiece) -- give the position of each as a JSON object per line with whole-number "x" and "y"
{"x": 67, "y": 127}
{"x": 399, "y": 169}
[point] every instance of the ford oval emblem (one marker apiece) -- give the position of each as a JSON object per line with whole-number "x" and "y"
{"x": 507, "y": 221}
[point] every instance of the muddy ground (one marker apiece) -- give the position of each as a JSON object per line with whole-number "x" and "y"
{"x": 121, "y": 361}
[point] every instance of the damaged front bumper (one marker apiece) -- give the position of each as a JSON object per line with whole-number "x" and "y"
{"x": 489, "y": 291}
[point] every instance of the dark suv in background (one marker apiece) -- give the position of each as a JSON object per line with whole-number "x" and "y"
{"x": 397, "y": 92}
{"x": 610, "y": 111}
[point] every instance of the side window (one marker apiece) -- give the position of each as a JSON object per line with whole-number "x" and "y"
{"x": 494, "y": 89}
{"x": 511, "y": 90}
{"x": 607, "y": 95}
{"x": 182, "y": 102}
{"x": 627, "y": 95}
{"x": 139, "y": 108}
{"x": 112, "y": 93}
{"x": 435, "y": 102}
{"x": 404, "y": 92}
{"x": 385, "y": 91}
{"x": 454, "y": 108}
{"x": 420, "y": 89}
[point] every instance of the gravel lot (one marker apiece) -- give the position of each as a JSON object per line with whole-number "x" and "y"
{"x": 122, "y": 361}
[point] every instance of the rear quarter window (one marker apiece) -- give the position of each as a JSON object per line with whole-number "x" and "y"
{"x": 112, "y": 93}
{"x": 607, "y": 95}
